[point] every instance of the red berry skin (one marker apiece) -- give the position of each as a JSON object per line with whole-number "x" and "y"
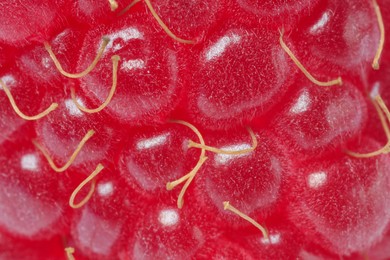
{"x": 9, "y": 121}
{"x": 166, "y": 232}
{"x": 30, "y": 100}
{"x": 190, "y": 20}
{"x": 95, "y": 237}
{"x": 309, "y": 120}
{"x": 275, "y": 14}
{"x": 222, "y": 248}
{"x": 3, "y": 57}
{"x": 92, "y": 13}
{"x": 6, "y": 53}
{"x": 312, "y": 252}
{"x": 284, "y": 242}
{"x": 98, "y": 237}
{"x": 376, "y": 84}
{"x": 253, "y": 82}
{"x": 232, "y": 82}
{"x": 61, "y": 132}
{"x": 30, "y": 191}
{"x": 47, "y": 249}
{"x": 381, "y": 251}
{"x": 155, "y": 156}
{"x": 251, "y": 182}
{"x": 101, "y": 229}
{"x": 339, "y": 202}
{"x": 43, "y": 19}
{"x": 36, "y": 63}
{"x": 148, "y": 74}
{"x": 339, "y": 39}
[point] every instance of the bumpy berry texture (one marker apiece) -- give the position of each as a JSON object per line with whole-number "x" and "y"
{"x": 160, "y": 129}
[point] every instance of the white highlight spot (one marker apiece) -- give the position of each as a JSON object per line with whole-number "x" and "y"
{"x": 168, "y": 217}
{"x": 152, "y": 142}
{"x": 46, "y": 62}
{"x": 132, "y": 64}
{"x": 72, "y": 108}
{"x": 105, "y": 189}
{"x": 125, "y": 35}
{"x": 8, "y": 80}
{"x": 220, "y": 46}
{"x": 317, "y": 179}
{"x": 273, "y": 239}
{"x": 375, "y": 90}
{"x": 29, "y": 162}
{"x": 302, "y": 103}
{"x": 225, "y": 158}
{"x": 117, "y": 46}
{"x": 320, "y": 24}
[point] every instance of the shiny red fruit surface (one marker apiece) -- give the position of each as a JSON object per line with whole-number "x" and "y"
{"x": 160, "y": 129}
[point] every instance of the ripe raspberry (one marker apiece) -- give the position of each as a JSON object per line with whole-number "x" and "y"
{"x": 159, "y": 129}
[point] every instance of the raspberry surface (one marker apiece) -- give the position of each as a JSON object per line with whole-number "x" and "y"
{"x": 160, "y": 129}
